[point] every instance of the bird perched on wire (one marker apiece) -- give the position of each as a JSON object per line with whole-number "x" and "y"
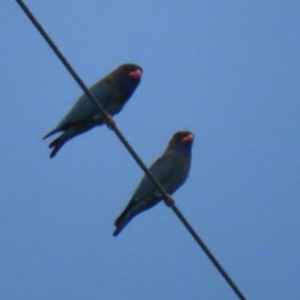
{"x": 112, "y": 92}
{"x": 171, "y": 170}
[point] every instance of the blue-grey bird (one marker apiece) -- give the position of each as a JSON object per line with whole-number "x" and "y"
{"x": 112, "y": 92}
{"x": 171, "y": 170}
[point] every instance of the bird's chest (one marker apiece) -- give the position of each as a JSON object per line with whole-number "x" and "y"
{"x": 178, "y": 175}
{"x": 182, "y": 169}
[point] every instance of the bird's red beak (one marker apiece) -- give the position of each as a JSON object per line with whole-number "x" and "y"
{"x": 189, "y": 138}
{"x": 137, "y": 74}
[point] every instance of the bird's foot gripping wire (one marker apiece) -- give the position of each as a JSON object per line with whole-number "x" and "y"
{"x": 110, "y": 122}
{"x": 169, "y": 201}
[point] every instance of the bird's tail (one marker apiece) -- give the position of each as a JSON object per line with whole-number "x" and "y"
{"x": 118, "y": 230}
{"x": 60, "y": 141}
{"x": 56, "y": 145}
{"x": 122, "y": 220}
{"x": 132, "y": 210}
{"x": 51, "y": 133}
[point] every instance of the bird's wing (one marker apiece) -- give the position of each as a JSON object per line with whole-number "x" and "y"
{"x": 161, "y": 169}
{"x": 84, "y": 108}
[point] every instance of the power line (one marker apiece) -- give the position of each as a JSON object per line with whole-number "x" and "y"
{"x": 130, "y": 149}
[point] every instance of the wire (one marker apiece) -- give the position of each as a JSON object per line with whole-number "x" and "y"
{"x": 130, "y": 149}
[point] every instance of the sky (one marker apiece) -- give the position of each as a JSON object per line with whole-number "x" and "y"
{"x": 229, "y": 72}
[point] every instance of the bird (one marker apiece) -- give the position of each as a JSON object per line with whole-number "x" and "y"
{"x": 112, "y": 92}
{"x": 171, "y": 170}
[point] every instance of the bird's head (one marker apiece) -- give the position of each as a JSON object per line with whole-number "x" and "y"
{"x": 182, "y": 140}
{"x": 129, "y": 76}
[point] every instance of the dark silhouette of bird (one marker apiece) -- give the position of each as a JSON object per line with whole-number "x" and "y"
{"x": 112, "y": 92}
{"x": 171, "y": 170}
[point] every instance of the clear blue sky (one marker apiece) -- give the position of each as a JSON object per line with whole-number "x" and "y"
{"x": 228, "y": 71}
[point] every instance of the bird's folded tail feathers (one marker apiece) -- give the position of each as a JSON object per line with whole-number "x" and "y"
{"x": 125, "y": 217}
{"x": 60, "y": 141}
{"x": 122, "y": 216}
{"x": 120, "y": 223}
{"x": 132, "y": 210}
{"x": 56, "y": 145}
{"x": 118, "y": 230}
{"x": 51, "y": 133}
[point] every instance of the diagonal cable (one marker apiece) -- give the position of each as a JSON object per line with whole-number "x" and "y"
{"x": 130, "y": 149}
